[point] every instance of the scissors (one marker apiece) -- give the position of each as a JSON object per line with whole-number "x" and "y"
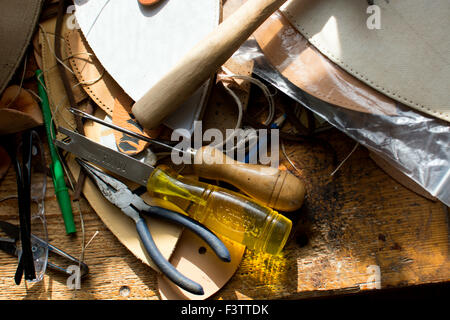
{"x": 134, "y": 207}
{"x": 9, "y": 245}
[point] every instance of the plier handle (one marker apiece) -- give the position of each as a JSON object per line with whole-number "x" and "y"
{"x": 134, "y": 206}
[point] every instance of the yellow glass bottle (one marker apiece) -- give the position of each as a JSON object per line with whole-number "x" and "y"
{"x": 228, "y": 213}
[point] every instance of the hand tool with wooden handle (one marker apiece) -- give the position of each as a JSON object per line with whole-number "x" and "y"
{"x": 231, "y": 214}
{"x": 201, "y": 62}
{"x": 274, "y": 188}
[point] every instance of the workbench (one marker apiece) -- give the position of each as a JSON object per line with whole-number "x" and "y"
{"x": 357, "y": 230}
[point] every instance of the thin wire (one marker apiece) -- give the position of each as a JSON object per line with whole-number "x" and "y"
{"x": 56, "y": 110}
{"x": 229, "y": 75}
{"x": 50, "y": 48}
{"x": 262, "y": 86}
{"x": 83, "y": 233}
{"x": 85, "y": 115}
{"x": 238, "y": 122}
{"x": 346, "y": 158}
{"x": 86, "y": 82}
{"x": 13, "y": 196}
{"x": 287, "y": 157}
{"x": 56, "y": 106}
{"x": 96, "y": 18}
{"x": 36, "y": 96}
{"x": 45, "y": 71}
{"x": 89, "y": 242}
{"x": 21, "y": 82}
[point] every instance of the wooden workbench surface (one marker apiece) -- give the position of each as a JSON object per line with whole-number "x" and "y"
{"x": 352, "y": 225}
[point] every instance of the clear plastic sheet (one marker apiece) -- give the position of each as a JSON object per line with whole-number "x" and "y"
{"x": 416, "y": 144}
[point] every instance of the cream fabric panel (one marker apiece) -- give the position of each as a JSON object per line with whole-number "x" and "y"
{"x": 408, "y": 58}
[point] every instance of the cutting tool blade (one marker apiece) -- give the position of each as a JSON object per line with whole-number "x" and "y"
{"x": 114, "y": 161}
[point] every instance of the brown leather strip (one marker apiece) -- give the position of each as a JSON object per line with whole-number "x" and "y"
{"x": 125, "y": 143}
{"x": 105, "y": 92}
{"x": 62, "y": 71}
{"x": 95, "y": 80}
{"x": 68, "y": 88}
{"x": 311, "y": 71}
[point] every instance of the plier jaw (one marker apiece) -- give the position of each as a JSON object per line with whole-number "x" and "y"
{"x": 133, "y": 206}
{"x": 114, "y": 191}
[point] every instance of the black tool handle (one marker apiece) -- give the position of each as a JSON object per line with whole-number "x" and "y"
{"x": 23, "y": 175}
{"x": 164, "y": 266}
{"x": 199, "y": 229}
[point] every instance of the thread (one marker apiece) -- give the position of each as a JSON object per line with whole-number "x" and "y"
{"x": 287, "y": 157}
{"x": 346, "y": 158}
{"x": 229, "y": 75}
{"x": 21, "y": 82}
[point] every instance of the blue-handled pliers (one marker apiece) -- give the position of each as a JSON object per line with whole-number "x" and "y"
{"x": 133, "y": 206}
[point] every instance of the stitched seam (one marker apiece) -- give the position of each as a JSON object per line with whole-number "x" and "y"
{"x": 338, "y": 102}
{"x": 50, "y": 80}
{"x": 80, "y": 75}
{"x": 364, "y": 78}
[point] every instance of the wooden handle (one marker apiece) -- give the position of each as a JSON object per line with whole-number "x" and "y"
{"x": 201, "y": 62}
{"x": 274, "y": 188}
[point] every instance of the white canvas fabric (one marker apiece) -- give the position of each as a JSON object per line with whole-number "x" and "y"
{"x": 138, "y": 44}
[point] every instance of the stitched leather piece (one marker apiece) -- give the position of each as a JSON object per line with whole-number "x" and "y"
{"x": 306, "y": 67}
{"x": 126, "y": 143}
{"x": 105, "y": 92}
{"x": 97, "y": 83}
{"x": 407, "y": 59}
{"x": 58, "y": 101}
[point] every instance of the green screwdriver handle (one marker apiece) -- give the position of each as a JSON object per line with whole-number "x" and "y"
{"x": 61, "y": 191}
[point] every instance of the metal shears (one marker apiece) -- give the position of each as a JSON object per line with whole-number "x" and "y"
{"x": 134, "y": 207}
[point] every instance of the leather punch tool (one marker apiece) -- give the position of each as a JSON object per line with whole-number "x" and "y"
{"x": 134, "y": 207}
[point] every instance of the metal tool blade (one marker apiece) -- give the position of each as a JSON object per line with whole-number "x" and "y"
{"x": 85, "y": 115}
{"x": 114, "y": 161}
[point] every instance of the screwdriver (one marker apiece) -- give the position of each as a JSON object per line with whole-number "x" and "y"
{"x": 231, "y": 214}
{"x": 272, "y": 187}
{"x": 61, "y": 191}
